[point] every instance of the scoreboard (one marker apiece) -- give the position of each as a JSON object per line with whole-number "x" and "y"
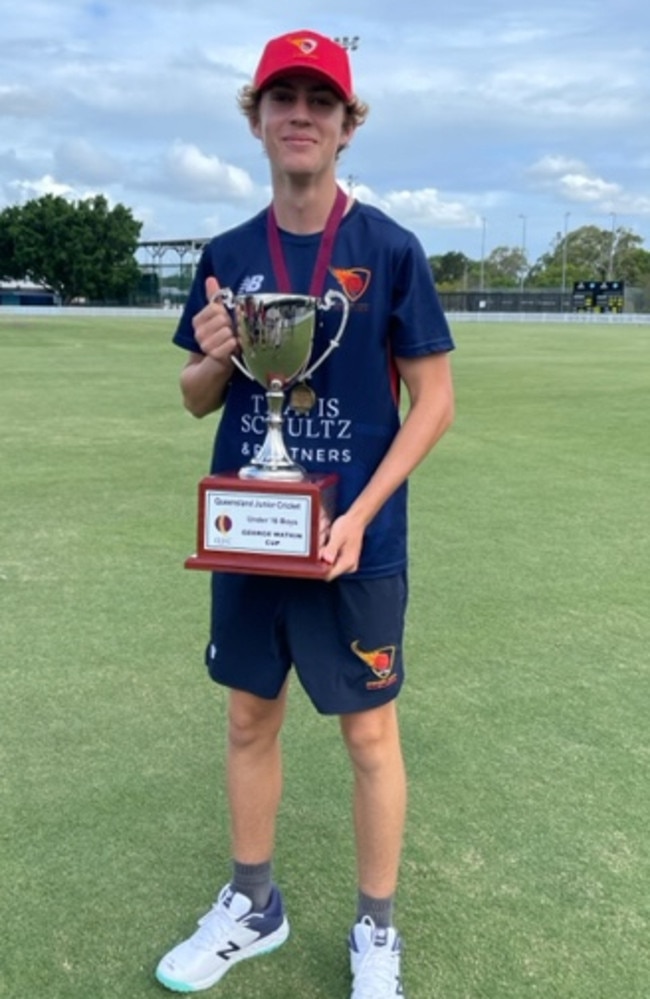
{"x": 598, "y": 296}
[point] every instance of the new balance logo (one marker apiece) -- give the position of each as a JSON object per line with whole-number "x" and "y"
{"x": 228, "y": 951}
{"x": 251, "y": 284}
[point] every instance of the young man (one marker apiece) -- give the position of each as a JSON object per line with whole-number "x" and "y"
{"x": 343, "y": 635}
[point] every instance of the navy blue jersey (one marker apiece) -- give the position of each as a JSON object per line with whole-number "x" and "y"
{"x": 394, "y": 312}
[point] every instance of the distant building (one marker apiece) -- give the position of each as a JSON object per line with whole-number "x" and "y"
{"x": 25, "y": 293}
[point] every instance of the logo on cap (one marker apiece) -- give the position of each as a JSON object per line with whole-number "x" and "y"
{"x": 305, "y": 45}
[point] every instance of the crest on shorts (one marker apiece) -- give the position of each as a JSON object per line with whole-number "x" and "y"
{"x": 381, "y": 661}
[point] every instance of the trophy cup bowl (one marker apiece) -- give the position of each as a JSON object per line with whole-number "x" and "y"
{"x": 276, "y": 333}
{"x": 271, "y": 516}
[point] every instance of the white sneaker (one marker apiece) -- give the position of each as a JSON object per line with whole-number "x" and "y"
{"x": 375, "y": 961}
{"x": 228, "y": 933}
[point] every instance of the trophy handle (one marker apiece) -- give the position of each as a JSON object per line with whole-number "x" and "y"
{"x": 226, "y": 296}
{"x": 242, "y": 367}
{"x": 325, "y": 304}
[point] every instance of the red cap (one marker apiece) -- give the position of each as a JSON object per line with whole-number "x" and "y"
{"x": 306, "y": 52}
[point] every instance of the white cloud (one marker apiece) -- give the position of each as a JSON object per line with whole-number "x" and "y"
{"x": 201, "y": 177}
{"x": 552, "y": 166}
{"x": 27, "y": 189}
{"x": 428, "y": 208}
{"x": 572, "y": 180}
{"x": 577, "y": 187}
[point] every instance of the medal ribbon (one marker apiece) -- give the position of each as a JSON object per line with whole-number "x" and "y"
{"x": 324, "y": 250}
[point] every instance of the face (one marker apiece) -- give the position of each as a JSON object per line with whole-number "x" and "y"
{"x": 302, "y": 125}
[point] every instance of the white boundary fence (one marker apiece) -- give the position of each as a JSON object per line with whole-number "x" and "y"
{"x": 570, "y": 318}
{"x": 74, "y": 311}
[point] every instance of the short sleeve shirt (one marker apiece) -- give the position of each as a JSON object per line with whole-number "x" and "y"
{"x": 394, "y": 311}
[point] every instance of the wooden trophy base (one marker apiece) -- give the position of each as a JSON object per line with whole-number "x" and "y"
{"x": 263, "y": 527}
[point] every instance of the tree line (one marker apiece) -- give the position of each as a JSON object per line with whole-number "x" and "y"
{"x": 86, "y": 250}
{"x": 80, "y": 250}
{"x": 586, "y": 254}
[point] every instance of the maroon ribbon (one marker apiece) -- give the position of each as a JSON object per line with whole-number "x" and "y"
{"x": 324, "y": 250}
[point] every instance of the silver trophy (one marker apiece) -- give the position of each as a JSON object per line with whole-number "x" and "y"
{"x": 276, "y": 332}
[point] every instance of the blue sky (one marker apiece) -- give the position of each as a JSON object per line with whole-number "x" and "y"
{"x": 491, "y": 124}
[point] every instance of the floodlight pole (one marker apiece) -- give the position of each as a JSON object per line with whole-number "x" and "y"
{"x": 350, "y": 43}
{"x": 523, "y": 250}
{"x": 565, "y": 247}
{"x": 610, "y": 267}
{"x": 482, "y": 277}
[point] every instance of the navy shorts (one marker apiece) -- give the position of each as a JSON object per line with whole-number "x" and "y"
{"x": 344, "y": 638}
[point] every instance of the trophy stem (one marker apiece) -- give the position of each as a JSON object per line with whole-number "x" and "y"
{"x": 273, "y": 461}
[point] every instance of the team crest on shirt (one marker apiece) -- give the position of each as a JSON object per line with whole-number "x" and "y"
{"x": 353, "y": 280}
{"x": 381, "y": 661}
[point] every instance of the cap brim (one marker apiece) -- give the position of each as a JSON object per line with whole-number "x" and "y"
{"x": 308, "y": 70}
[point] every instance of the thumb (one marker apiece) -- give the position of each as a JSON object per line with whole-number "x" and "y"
{"x": 212, "y": 286}
{"x": 328, "y": 552}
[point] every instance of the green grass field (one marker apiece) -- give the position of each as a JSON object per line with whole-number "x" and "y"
{"x": 525, "y": 718}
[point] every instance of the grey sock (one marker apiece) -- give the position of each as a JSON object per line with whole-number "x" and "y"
{"x": 254, "y": 881}
{"x": 380, "y": 910}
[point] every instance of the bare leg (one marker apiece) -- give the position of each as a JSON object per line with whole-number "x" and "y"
{"x": 254, "y": 773}
{"x": 254, "y": 786}
{"x": 373, "y": 742}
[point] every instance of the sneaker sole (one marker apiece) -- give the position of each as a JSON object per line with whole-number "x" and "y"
{"x": 263, "y": 946}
